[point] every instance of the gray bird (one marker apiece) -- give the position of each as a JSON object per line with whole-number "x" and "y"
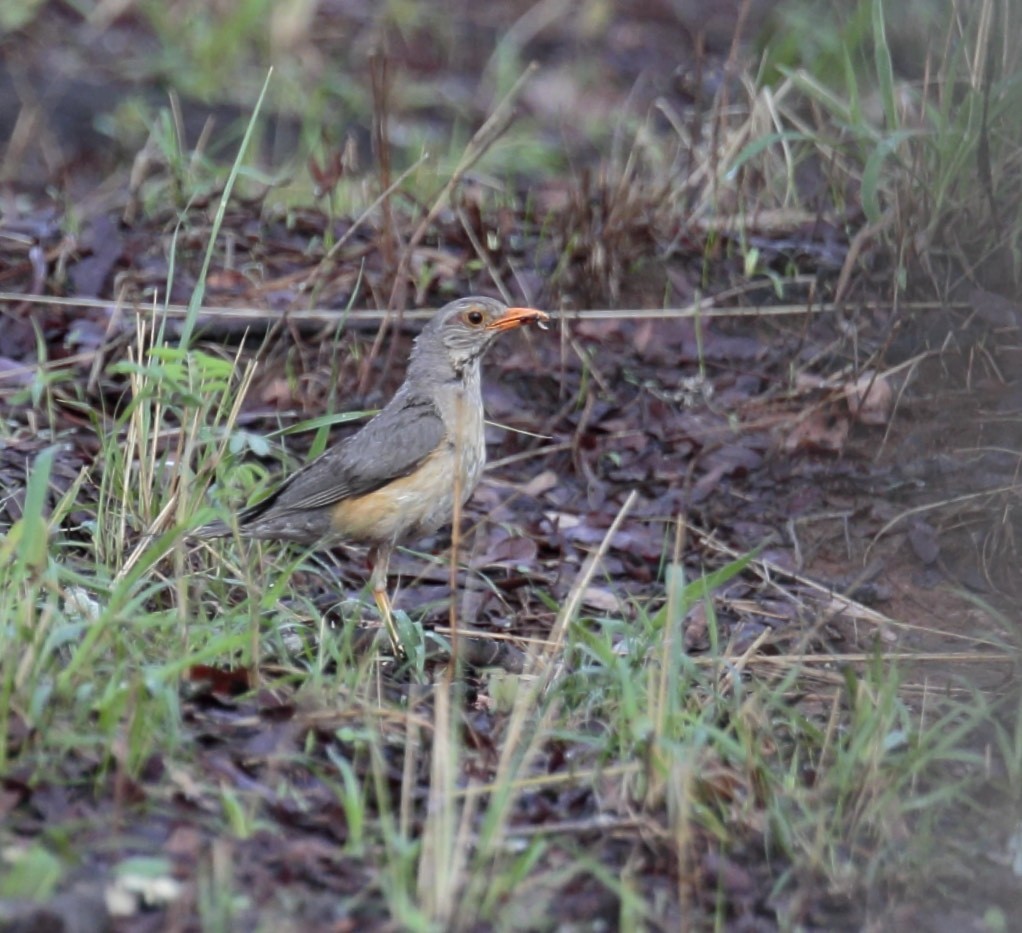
{"x": 399, "y": 477}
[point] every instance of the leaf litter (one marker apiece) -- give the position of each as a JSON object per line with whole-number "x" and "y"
{"x": 786, "y": 435}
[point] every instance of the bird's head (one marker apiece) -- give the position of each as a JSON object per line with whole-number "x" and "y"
{"x": 462, "y": 331}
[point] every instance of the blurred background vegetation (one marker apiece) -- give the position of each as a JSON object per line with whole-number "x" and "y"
{"x": 907, "y": 107}
{"x": 94, "y": 76}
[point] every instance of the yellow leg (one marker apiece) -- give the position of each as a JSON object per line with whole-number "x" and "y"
{"x": 383, "y": 604}
{"x": 380, "y": 558}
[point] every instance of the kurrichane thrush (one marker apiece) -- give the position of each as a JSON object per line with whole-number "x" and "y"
{"x": 398, "y": 478}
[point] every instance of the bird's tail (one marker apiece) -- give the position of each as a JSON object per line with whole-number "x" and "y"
{"x": 215, "y": 529}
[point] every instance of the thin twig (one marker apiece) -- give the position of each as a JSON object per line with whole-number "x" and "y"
{"x": 491, "y": 130}
{"x": 326, "y": 263}
{"x": 585, "y": 576}
{"x": 705, "y": 308}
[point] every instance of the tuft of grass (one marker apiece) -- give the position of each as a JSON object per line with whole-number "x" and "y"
{"x": 694, "y": 757}
{"x": 933, "y": 159}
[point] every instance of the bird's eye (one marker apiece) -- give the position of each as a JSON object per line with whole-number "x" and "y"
{"x": 474, "y": 317}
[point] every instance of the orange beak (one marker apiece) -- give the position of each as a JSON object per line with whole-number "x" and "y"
{"x": 516, "y": 317}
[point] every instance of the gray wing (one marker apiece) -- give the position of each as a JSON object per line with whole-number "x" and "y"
{"x": 390, "y": 446}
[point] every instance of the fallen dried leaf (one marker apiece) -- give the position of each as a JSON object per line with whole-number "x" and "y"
{"x": 820, "y": 431}
{"x": 541, "y": 483}
{"x": 870, "y": 398}
{"x": 603, "y": 600}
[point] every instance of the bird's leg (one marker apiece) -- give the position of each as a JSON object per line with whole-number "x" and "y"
{"x": 380, "y": 558}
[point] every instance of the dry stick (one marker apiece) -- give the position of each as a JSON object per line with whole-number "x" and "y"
{"x": 570, "y": 607}
{"x": 379, "y": 79}
{"x": 839, "y": 380}
{"x": 766, "y": 568}
{"x": 491, "y": 130}
{"x": 706, "y": 308}
{"x": 854, "y": 248}
{"x": 326, "y": 263}
{"x": 390, "y": 238}
{"x": 434, "y": 864}
{"x": 583, "y": 777}
{"x": 738, "y": 666}
{"x": 930, "y": 506}
{"x": 913, "y": 364}
{"x": 459, "y": 450}
{"x": 578, "y": 588}
{"x": 1009, "y": 656}
{"x": 478, "y": 145}
{"x": 484, "y": 257}
{"x": 412, "y": 747}
{"x": 113, "y": 324}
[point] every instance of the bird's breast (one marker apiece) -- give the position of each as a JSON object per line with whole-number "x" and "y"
{"x": 467, "y": 440}
{"x": 419, "y": 503}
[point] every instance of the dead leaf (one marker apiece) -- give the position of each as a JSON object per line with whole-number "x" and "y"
{"x": 695, "y": 627}
{"x": 563, "y": 521}
{"x": 822, "y": 431}
{"x": 229, "y": 281}
{"x": 541, "y": 483}
{"x": 809, "y": 381}
{"x": 277, "y": 392}
{"x": 603, "y": 600}
{"x": 870, "y": 398}
{"x": 509, "y": 552}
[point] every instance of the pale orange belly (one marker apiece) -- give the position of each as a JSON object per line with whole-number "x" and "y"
{"x": 414, "y": 505}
